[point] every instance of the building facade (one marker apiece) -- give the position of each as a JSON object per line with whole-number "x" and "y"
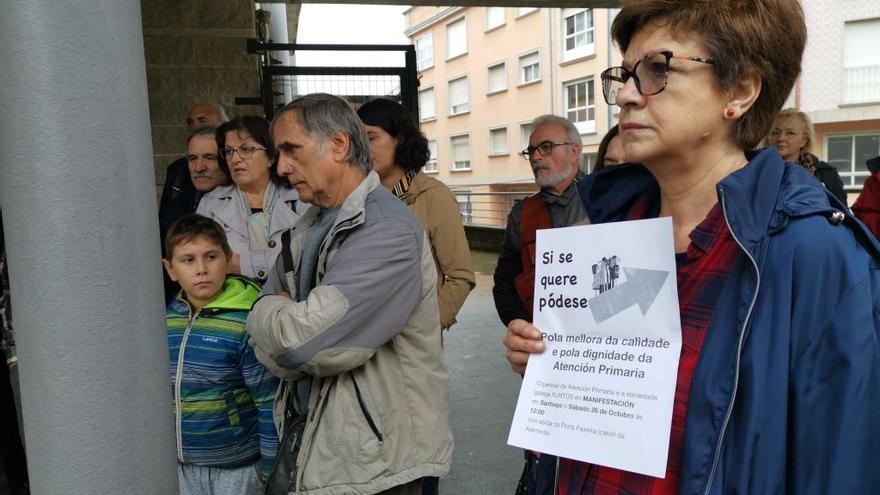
{"x": 486, "y": 73}
{"x": 840, "y": 85}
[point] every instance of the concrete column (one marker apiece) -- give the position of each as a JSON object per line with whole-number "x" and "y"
{"x": 76, "y": 190}
{"x": 278, "y": 34}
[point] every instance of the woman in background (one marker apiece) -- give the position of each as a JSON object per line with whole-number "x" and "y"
{"x": 610, "y": 150}
{"x": 399, "y": 152}
{"x": 258, "y": 206}
{"x": 792, "y": 134}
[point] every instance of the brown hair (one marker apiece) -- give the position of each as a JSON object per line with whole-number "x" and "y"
{"x": 258, "y": 128}
{"x": 189, "y": 227}
{"x": 603, "y": 147}
{"x": 764, "y": 37}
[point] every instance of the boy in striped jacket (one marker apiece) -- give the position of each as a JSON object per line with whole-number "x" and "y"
{"x": 226, "y": 439}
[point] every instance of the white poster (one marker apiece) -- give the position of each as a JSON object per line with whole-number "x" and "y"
{"x": 607, "y": 302}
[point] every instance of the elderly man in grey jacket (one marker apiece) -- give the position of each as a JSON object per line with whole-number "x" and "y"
{"x": 353, "y": 325}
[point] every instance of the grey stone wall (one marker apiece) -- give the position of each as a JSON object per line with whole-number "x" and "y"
{"x": 195, "y": 52}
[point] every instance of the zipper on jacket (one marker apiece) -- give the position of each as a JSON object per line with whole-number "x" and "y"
{"x": 556, "y": 478}
{"x": 360, "y": 399}
{"x": 323, "y": 396}
{"x": 739, "y": 347}
{"x": 178, "y": 378}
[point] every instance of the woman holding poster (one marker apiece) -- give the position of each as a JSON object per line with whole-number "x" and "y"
{"x": 778, "y": 385}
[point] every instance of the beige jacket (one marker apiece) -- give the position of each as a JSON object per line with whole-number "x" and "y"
{"x": 437, "y": 210}
{"x": 368, "y": 335}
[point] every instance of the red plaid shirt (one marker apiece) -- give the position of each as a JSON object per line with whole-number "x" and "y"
{"x": 702, "y": 271}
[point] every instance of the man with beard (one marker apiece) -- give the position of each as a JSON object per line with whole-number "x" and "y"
{"x": 553, "y": 152}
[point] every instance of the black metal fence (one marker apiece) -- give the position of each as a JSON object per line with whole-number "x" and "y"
{"x": 357, "y": 84}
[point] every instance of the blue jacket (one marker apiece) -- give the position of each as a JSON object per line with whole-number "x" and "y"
{"x": 786, "y": 394}
{"x": 222, "y": 396}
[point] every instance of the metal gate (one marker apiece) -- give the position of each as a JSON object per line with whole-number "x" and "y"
{"x": 280, "y": 83}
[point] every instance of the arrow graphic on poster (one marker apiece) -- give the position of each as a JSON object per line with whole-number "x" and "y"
{"x": 641, "y": 287}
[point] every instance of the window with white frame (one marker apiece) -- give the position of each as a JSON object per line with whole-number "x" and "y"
{"x": 580, "y": 105}
{"x": 521, "y": 11}
{"x": 496, "y": 78}
{"x": 861, "y": 61}
{"x": 459, "y": 100}
{"x": 460, "y": 151}
{"x": 425, "y": 51}
{"x": 577, "y": 33}
{"x": 587, "y": 162}
{"x": 431, "y": 164}
{"x": 530, "y": 68}
{"x": 848, "y": 153}
{"x": 525, "y": 132}
{"x": 456, "y": 38}
{"x": 465, "y": 208}
{"x": 427, "y": 107}
{"x": 494, "y": 17}
{"x": 498, "y": 141}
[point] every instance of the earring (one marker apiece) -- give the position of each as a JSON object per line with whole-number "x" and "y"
{"x": 729, "y": 113}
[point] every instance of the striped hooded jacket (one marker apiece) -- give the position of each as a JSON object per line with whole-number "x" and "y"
{"x": 222, "y": 396}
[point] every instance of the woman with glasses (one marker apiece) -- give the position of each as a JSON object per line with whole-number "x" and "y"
{"x": 792, "y": 134}
{"x": 258, "y": 206}
{"x": 778, "y": 383}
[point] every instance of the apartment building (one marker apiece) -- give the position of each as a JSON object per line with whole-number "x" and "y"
{"x": 840, "y": 84}
{"x": 486, "y": 72}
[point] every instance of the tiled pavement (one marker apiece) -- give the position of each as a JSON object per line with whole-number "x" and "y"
{"x": 483, "y": 393}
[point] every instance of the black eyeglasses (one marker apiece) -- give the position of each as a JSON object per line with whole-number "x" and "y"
{"x": 544, "y": 148}
{"x": 244, "y": 151}
{"x": 649, "y": 73}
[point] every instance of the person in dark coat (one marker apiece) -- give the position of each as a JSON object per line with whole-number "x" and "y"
{"x": 13, "y": 465}
{"x": 792, "y": 134}
{"x": 179, "y": 195}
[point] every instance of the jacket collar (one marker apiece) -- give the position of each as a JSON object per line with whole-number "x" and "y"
{"x": 758, "y": 199}
{"x": 288, "y": 198}
{"x": 238, "y": 294}
{"x": 420, "y": 183}
{"x": 352, "y": 209}
{"x": 231, "y": 208}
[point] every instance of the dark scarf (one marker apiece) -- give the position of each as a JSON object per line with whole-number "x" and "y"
{"x": 808, "y": 161}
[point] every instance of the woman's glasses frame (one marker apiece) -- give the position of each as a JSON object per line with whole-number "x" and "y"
{"x": 621, "y": 75}
{"x": 244, "y": 151}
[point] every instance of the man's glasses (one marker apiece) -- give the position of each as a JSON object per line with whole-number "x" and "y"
{"x": 244, "y": 151}
{"x": 649, "y": 73}
{"x": 544, "y": 148}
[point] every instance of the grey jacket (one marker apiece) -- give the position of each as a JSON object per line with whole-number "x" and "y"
{"x": 226, "y": 206}
{"x": 369, "y": 336}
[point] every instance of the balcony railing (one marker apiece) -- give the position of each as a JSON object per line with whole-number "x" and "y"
{"x": 487, "y": 208}
{"x": 861, "y": 84}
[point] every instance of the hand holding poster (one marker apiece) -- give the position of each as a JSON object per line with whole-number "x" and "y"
{"x": 602, "y": 390}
